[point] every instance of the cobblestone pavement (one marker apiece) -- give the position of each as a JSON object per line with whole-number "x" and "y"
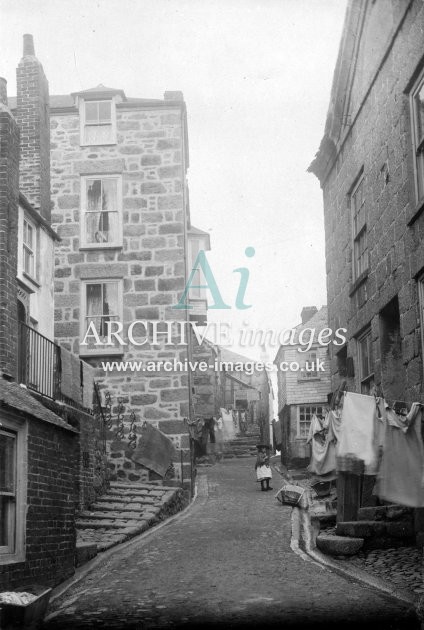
{"x": 402, "y": 567}
{"x": 227, "y": 563}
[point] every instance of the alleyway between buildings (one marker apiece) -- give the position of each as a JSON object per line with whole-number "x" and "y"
{"x": 226, "y": 562}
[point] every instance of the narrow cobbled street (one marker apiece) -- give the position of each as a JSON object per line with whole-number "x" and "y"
{"x": 227, "y": 562}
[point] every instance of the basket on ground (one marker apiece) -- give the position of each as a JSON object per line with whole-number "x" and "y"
{"x": 290, "y": 494}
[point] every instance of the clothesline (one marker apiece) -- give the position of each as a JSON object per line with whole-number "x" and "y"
{"x": 367, "y": 436}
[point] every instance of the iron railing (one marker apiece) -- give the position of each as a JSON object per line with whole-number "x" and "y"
{"x": 39, "y": 364}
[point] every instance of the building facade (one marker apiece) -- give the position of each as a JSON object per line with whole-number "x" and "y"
{"x": 120, "y": 206}
{"x": 371, "y": 168}
{"x": 302, "y": 393}
{"x": 39, "y": 449}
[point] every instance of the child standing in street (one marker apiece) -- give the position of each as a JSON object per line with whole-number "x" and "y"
{"x": 262, "y": 467}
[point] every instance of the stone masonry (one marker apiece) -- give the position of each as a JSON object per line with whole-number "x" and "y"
{"x": 368, "y": 134}
{"x": 150, "y": 156}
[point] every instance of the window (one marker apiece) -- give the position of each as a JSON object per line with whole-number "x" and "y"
{"x": 304, "y": 417}
{"x": 101, "y": 304}
{"x": 7, "y": 491}
{"x": 12, "y": 490}
{"x": 98, "y": 122}
{"x": 366, "y": 362}
{"x": 417, "y": 111}
{"x": 101, "y": 211}
{"x": 309, "y": 367}
{"x": 360, "y": 244}
{"x": 29, "y": 248}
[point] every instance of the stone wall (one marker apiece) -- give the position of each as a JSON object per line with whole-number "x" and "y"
{"x": 149, "y": 155}
{"x": 378, "y": 142}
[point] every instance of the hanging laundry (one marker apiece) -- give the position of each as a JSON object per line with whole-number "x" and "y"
{"x": 356, "y": 447}
{"x": 323, "y": 450}
{"x": 314, "y": 428}
{"x": 323, "y": 456}
{"x": 334, "y": 422}
{"x": 278, "y": 434}
{"x": 154, "y": 450}
{"x": 88, "y": 385}
{"x": 227, "y": 419}
{"x": 401, "y": 475}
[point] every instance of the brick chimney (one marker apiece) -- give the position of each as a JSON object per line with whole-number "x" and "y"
{"x": 307, "y": 313}
{"x": 9, "y": 203}
{"x": 33, "y": 116}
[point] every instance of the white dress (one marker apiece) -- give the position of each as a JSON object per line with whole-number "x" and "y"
{"x": 263, "y": 472}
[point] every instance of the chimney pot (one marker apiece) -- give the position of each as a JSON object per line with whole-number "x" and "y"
{"x": 307, "y": 313}
{"x": 29, "y": 50}
{"x": 174, "y": 96}
{"x": 3, "y": 91}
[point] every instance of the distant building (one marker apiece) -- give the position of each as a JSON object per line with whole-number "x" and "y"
{"x": 303, "y": 392}
{"x": 370, "y": 165}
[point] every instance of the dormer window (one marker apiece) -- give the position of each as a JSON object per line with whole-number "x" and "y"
{"x": 98, "y": 122}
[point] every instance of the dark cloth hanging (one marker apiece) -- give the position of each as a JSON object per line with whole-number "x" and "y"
{"x": 278, "y": 434}
{"x": 154, "y": 450}
{"x": 210, "y": 425}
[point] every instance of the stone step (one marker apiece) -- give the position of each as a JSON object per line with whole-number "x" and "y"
{"x": 152, "y": 485}
{"x": 134, "y": 494}
{"x": 102, "y": 505}
{"x": 339, "y": 545}
{"x": 111, "y": 515}
{"x": 375, "y": 529}
{"x": 126, "y": 511}
{"x": 385, "y": 513}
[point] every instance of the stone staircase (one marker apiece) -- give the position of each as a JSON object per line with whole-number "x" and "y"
{"x": 380, "y": 527}
{"x": 126, "y": 510}
{"x": 241, "y": 446}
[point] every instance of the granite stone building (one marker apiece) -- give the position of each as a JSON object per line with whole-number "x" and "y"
{"x": 370, "y": 165}
{"x": 121, "y": 208}
{"x": 301, "y": 394}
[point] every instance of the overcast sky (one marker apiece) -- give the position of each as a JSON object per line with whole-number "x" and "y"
{"x": 256, "y": 77}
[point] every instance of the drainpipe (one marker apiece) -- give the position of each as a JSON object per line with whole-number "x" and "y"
{"x": 183, "y": 115}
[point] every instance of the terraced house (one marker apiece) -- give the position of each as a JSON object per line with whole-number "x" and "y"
{"x": 370, "y": 165}
{"x": 52, "y": 456}
{"x": 371, "y": 168}
{"x": 120, "y": 206}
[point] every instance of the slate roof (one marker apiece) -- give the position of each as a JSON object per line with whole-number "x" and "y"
{"x": 58, "y": 101}
{"x": 17, "y": 398}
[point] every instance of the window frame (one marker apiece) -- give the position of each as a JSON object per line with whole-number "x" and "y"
{"x": 84, "y": 124}
{"x": 31, "y": 250}
{"x": 313, "y": 410}
{"x": 417, "y": 142}
{"x": 366, "y": 381}
{"x": 103, "y": 350}
{"x": 358, "y": 234}
{"x": 19, "y": 428}
{"x": 118, "y": 242}
{"x": 310, "y": 375}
